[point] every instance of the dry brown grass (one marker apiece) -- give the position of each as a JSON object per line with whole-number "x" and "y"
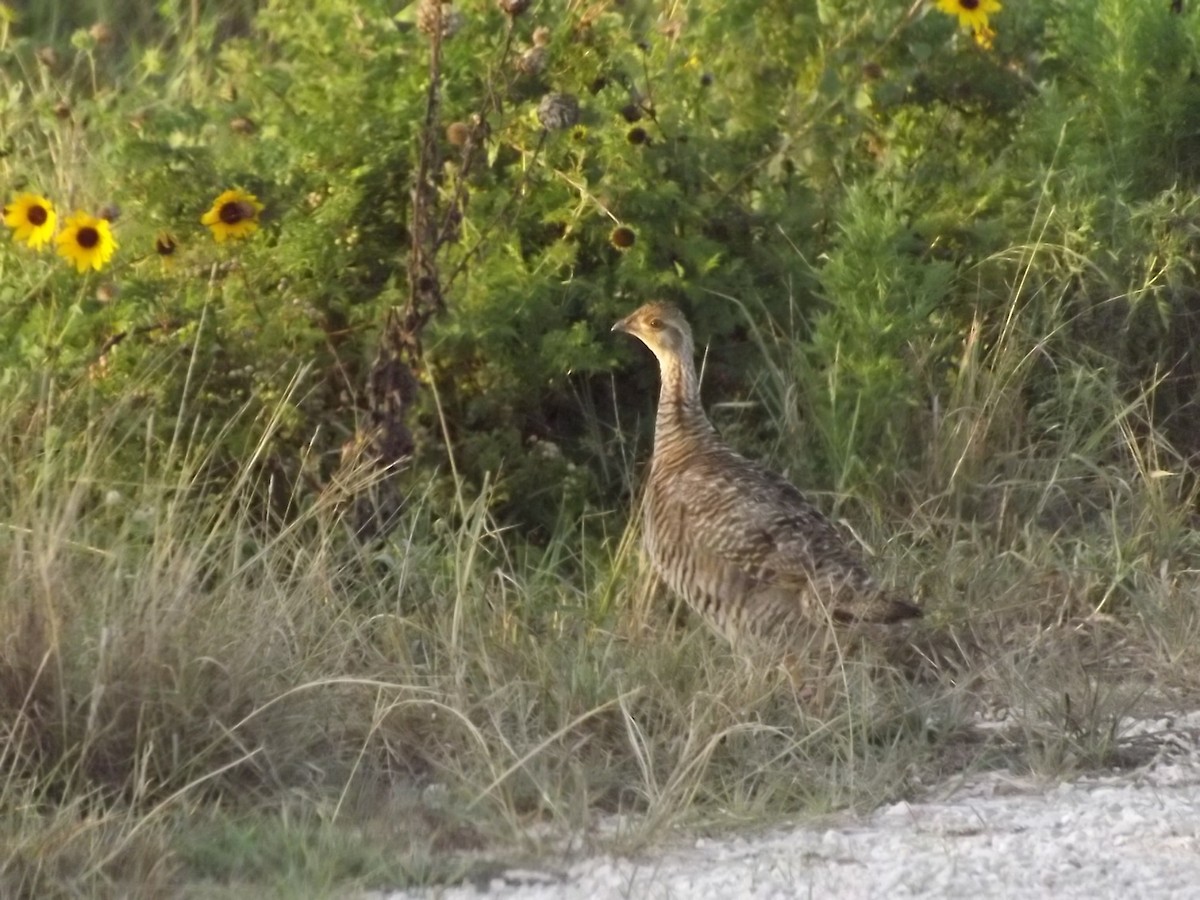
{"x": 195, "y": 699}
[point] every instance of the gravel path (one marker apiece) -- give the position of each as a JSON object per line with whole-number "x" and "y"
{"x": 1136, "y": 834}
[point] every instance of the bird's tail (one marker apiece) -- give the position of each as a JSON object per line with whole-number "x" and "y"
{"x": 871, "y": 604}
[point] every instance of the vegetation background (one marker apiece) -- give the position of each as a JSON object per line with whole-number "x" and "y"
{"x": 948, "y": 287}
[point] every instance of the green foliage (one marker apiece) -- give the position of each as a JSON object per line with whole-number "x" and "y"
{"x": 887, "y": 311}
{"x": 860, "y": 171}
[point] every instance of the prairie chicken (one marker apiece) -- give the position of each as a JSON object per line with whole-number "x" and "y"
{"x": 737, "y": 542}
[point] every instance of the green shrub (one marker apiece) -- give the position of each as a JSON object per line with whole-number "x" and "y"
{"x": 867, "y": 180}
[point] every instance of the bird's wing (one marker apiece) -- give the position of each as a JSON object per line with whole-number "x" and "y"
{"x": 752, "y": 518}
{"x": 734, "y": 513}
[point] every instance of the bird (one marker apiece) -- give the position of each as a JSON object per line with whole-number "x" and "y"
{"x": 740, "y": 544}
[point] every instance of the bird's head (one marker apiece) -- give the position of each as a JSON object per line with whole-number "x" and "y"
{"x": 662, "y": 328}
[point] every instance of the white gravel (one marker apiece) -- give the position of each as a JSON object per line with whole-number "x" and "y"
{"x": 1134, "y": 834}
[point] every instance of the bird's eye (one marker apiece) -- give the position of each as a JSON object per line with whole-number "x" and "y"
{"x": 656, "y": 324}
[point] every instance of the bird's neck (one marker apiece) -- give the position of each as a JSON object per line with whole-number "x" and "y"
{"x": 681, "y": 426}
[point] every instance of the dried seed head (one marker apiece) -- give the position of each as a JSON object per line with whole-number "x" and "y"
{"x": 458, "y": 133}
{"x": 242, "y": 125}
{"x": 429, "y": 12}
{"x": 558, "y": 111}
{"x": 47, "y": 56}
{"x": 541, "y": 36}
{"x": 101, "y": 33}
{"x": 532, "y": 61}
{"x": 514, "y": 7}
{"x": 672, "y": 29}
{"x": 62, "y": 109}
{"x": 631, "y": 112}
{"x": 637, "y": 135}
{"x": 110, "y": 212}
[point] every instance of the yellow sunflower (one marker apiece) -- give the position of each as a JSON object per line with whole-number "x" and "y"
{"x": 971, "y": 14}
{"x": 233, "y": 215}
{"x": 32, "y": 219}
{"x": 86, "y": 241}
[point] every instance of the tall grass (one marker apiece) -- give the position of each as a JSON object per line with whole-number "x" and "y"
{"x": 194, "y": 688}
{"x": 180, "y": 669}
{"x": 190, "y": 691}
{"x": 1042, "y": 515}
{"x": 201, "y": 683}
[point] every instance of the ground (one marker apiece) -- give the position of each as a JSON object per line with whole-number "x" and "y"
{"x": 1113, "y": 835}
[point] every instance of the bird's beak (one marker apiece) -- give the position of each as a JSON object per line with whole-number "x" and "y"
{"x": 622, "y": 325}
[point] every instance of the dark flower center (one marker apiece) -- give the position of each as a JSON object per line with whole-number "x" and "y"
{"x": 165, "y": 245}
{"x": 37, "y": 215}
{"x": 969, "y": 4}
{"x": 622, "y": 237}
{"x": 235, "y": 211}
{"x": 87, "y": 237}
